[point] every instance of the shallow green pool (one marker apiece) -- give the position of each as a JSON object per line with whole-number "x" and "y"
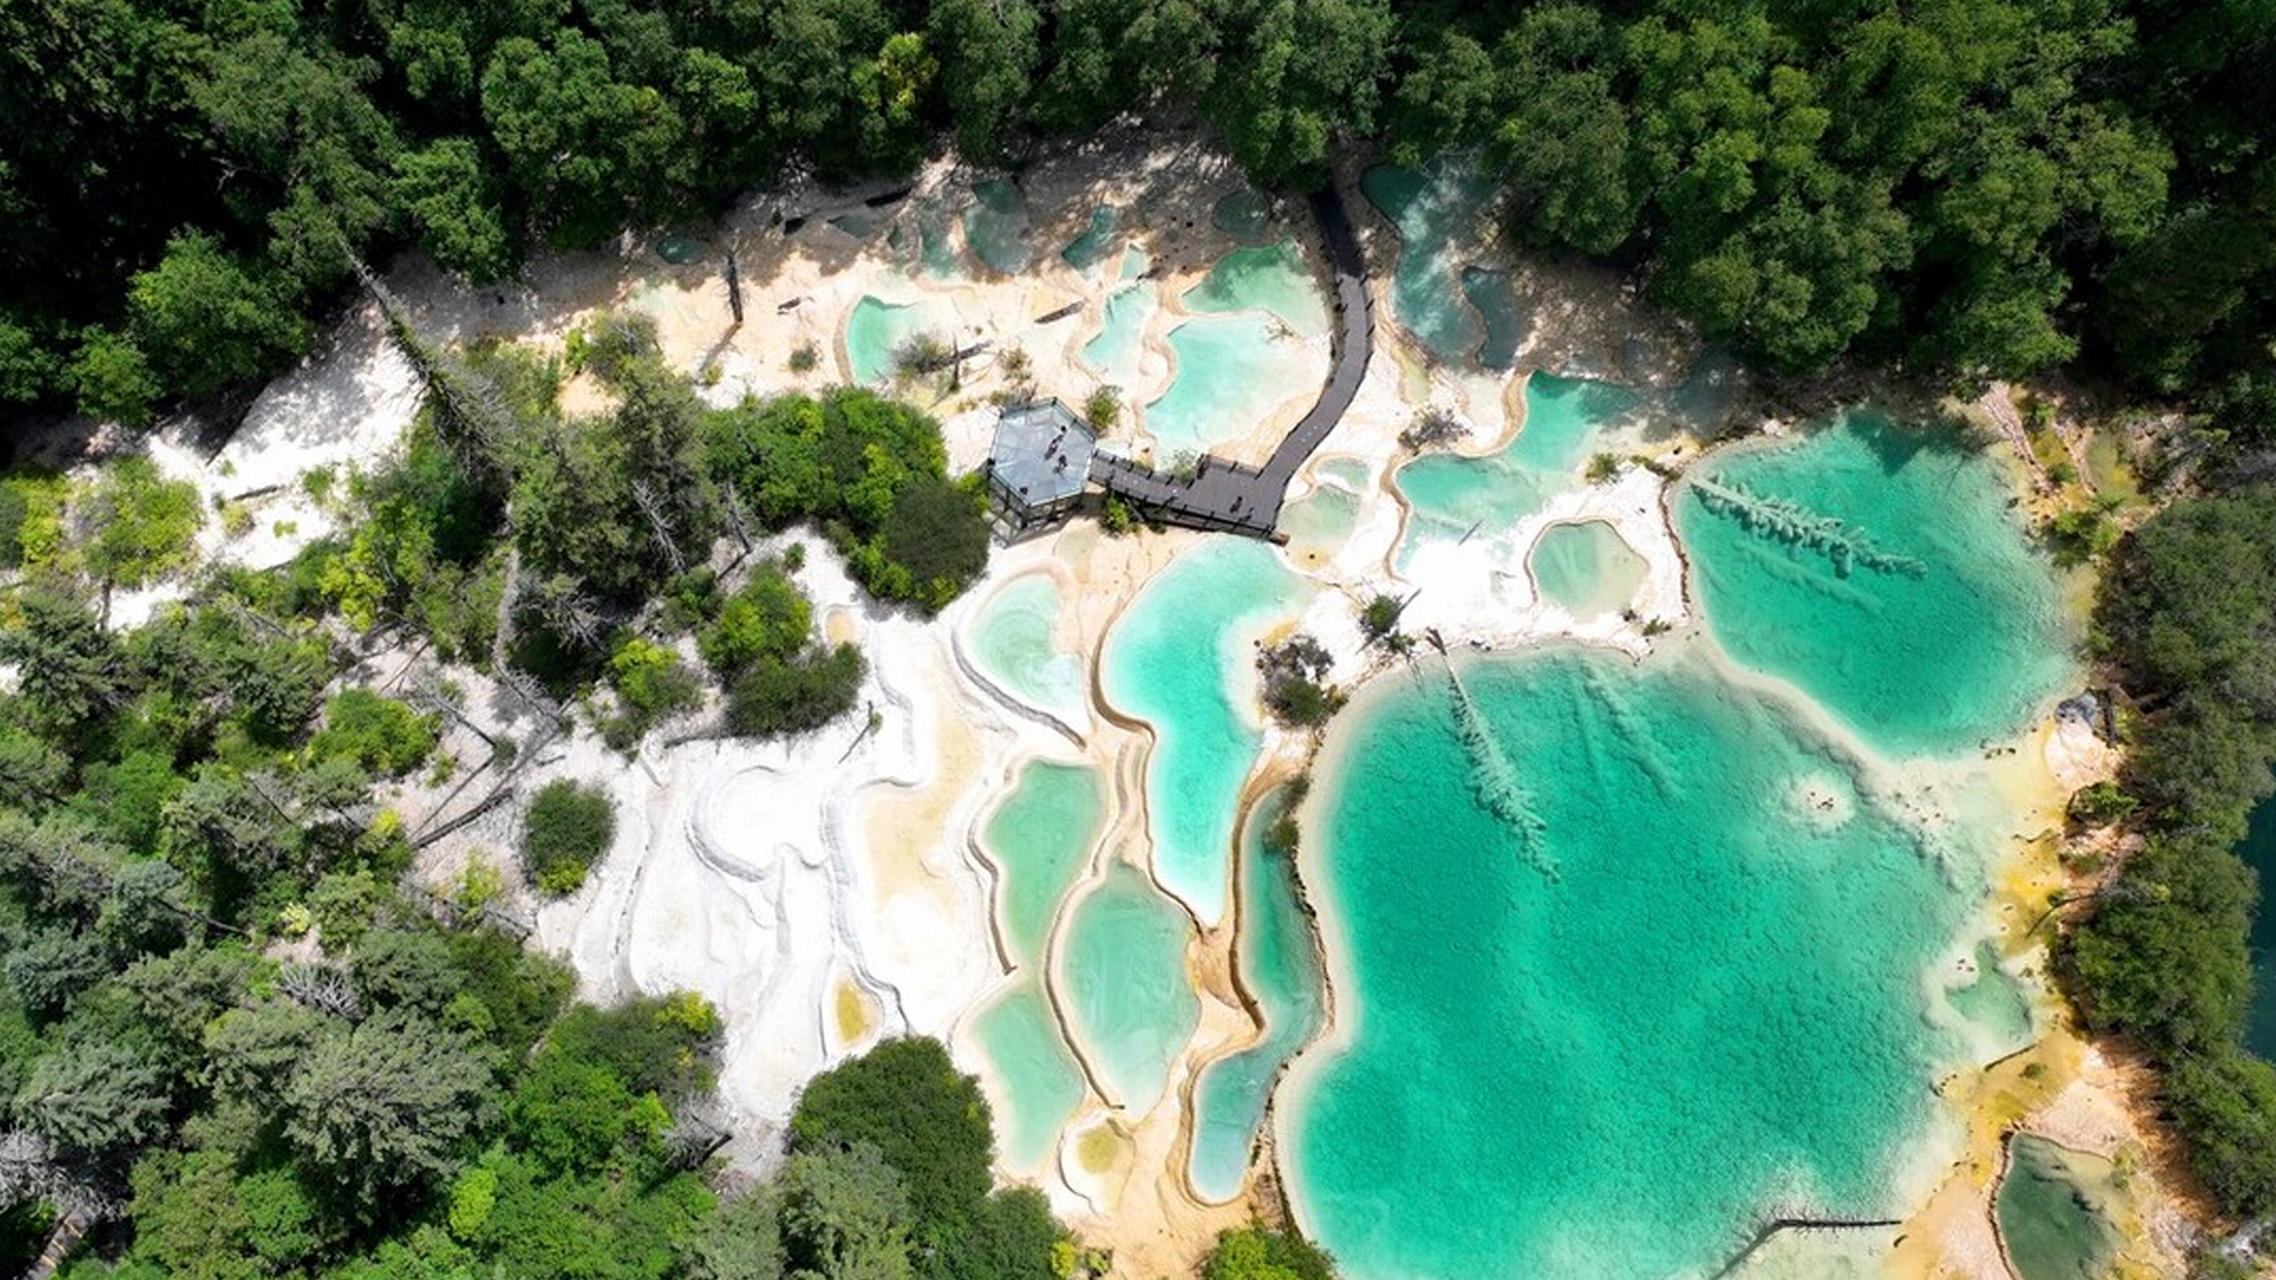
{"x": 1271, "y": 278}
{"x": 1172, "y": 661}
{"x": 1586, "y": 568}
{"x": 1095, "y": 244}
{"x": 1120, "y": 345}
{"x": 1280, "y": 970}
{"x": 874, "y": 332}
{"x": 1040, "y": 836}
{"x": 1232, "y": 372}
{"x": 1956, "y": 639}
{"x": 1013, "y": 645}
{"x": 1435, "y": 210}
{"x": 1042, "y": 1084}
{"x": 1122, "y": 967}
{"x": 1450, "y": 496}
{"x": 1616, "y": 990}
{"x": 2050, "y": 1215}
{"x": 995, "y": 227}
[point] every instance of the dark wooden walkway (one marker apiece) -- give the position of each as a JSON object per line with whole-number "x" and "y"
{"x": 1225, "y": 496}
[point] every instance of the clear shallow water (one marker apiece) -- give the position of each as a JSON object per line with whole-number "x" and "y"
{"x": 1586, "y": 568}
{"x": 1960, "y": 642}
{"x": 1123, "y": 971}
{"x": 1013, "y": 645}
{"x": 1096, "y": 243}
{"x": 1171, "y": 661}
{"x": 874, "y": 331}
{"x": 1617, "y": 990}
{"x": 2050, "y": 1212}
{"x": 1039, "y": 836}
{"x": 1351, "y": 471}
{"x": 1450, "y": 495}
{"x": 1318, "y": 523}
{"x": 995, "y": 227}
{"x": 1244, "y": 215}
{"x": 1232, "y": 372}
{"x": 1268, "y": 278}
{"x": 1135, "y": 263}
{"x": 1433, "y": 210}
{"x": 1995, "y": 1003}
{"x": 1042, "y": 1084}
{"x": 1280, "y": 970}
{"x": 1115, "y": 353}
{"x": 1502, "y": 326}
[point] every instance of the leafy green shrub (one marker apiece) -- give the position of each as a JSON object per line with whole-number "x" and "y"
{"x": 769, "y": 617}
{"x": 1293, "y": 674}
{"x": 1379, "y": 617}
{"x": 804, "y": 358}
{"x": 653, "y": 682}
{"x": 566, "y": 829}
{"x": 379, "y": 733}
{"x": 1603, "y": 467}
{"x": 1114, "y": 517}
{"x": 138, "y": 524}
{"x": 1103, "y": 409}
{"x": 2099, "y": 804}
{"x": 1259, "y": 1252}
{"x": 777, "y": 695}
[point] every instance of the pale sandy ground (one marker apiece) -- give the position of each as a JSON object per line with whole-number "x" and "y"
{"x": 833, "y": 890}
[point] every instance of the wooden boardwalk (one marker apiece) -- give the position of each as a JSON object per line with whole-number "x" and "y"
{"x": 1225, "y": 496}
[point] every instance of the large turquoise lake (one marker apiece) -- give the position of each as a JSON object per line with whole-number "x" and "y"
{"x": 1630, "y": 957}
{"x": 1711, "y": 1012}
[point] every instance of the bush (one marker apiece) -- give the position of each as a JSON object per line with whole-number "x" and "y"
{"x": 1603, "y": 467}
{"x": 872, "y": 473}
{"x": 1432, "y": 428}
{"x": 1379, "y": 618}
{"x": 1292, "y": 673}
{"x": 768, "y": 618}
{"x": 652, "y": 680}
{"x": 380, "y": 734}
{"x": 1258, "y": 1252}
{"x": 792, "y": 695}
{"x": 2100, "y": 804}
{"x": 566, "y": 829}
{"x": 938, "y": 532}
{"x": 1103, "y": 410}
{"x": 1114, "y": 517}
{"x": 804, "y": 358}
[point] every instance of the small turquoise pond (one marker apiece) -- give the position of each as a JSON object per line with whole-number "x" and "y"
{"x": 1013, "y": 645}
{"x": 1586, "y": 568}
{"x": 874, "y": 332}
{"x": 1995, "y": 1003}
{"x": 1232, "y": 372}
{"x": 1435, "y": 211}
{"x": 1096, "y": 242}
{"x": 1042, "y": 1084}
{"x": 1122, "y": 966}
{"x": 995, "y": 227}
{"x": 1116, "y": 352}
{"x": 1039, "y": 837}
{"x": 1272, "y": 278}
{"x": 1451, "y": 495}
{"x": 2259, "y": 853}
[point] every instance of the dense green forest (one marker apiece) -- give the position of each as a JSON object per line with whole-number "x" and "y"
{"x": 2188, "y": 613}
{"x": 1969, "y": 187}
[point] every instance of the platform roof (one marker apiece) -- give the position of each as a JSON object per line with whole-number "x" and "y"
{"x": 1042, "y": 453}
